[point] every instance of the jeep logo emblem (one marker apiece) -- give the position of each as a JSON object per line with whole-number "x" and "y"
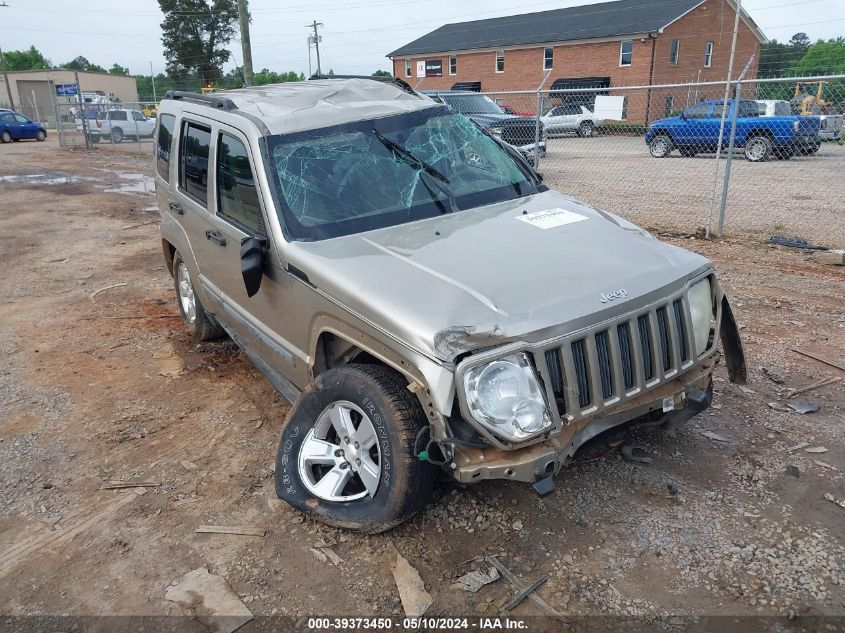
{"x": 613, "y": 295}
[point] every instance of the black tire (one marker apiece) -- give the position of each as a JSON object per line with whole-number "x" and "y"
{"x": 807, "y": 150}
{"x": 758, "y": 149}
{"x": 785, "y": 153}
{"x": 586, "y": 129}
{"x": 40, "y": 135}
{"x": 688, "y": 152}
{"x": 661, "y": 146}
{"x": 95, "y": 138}
{"x": 117, "y": 135}
{"x": 202, "y": 328}
{"x": 405, "y": 483}
{"x": 5, "y": 137}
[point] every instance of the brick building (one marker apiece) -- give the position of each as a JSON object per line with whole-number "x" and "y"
{"x": 621, "y": 43}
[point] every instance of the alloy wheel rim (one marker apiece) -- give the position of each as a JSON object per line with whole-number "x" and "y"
{"x": 659, "y": 147}
{"x": 186, "y": 294}
{"x": 340, "y": 458}
{"x": 756, "y": 149}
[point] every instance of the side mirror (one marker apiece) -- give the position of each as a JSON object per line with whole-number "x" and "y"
{"x": 252, "y": 263}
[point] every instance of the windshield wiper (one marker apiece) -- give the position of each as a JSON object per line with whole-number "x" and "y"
{"x": 437, "y": 179}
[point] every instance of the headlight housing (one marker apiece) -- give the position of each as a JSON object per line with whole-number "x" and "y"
{"x": 700, "y": 297}
{"x": 506, "y": 398}
{"x": 495, "y": 131}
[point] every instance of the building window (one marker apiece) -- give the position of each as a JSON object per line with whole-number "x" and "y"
{"x": 548, "y": 58}
{"x": 670, "y": 105}
{"x": 453, "y": 64}
{"x": 626, "y": 52}
{"x": 500, "y": 61}
{"x": 407, "y": 67}
{"x": 708, "y": 54}
{"x": 673, "y": 53}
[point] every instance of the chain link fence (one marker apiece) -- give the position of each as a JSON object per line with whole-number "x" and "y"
{"x": 657, "y": 155}
{"x": 111, "y": 125}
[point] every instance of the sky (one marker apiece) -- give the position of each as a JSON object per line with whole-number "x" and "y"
{"x": 357, "y": 34}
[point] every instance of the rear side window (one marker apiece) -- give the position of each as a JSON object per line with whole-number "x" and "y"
{"x": 164, "y": 143}
{"x": 118, "y": 116}
{"x": 748, "y": 108}
{"x": 193, "y": 161}
{"x": 237, "y": 198}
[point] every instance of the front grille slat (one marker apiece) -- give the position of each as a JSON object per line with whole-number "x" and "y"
{"x": 582, "y": 374}
{"x": 558, "y": 378}
{"x": 665, "y": 341}
{"x": 605, "y": 371}
{"x": 623, "y": 331}
{"x": 644, "y": 331}
{"x": 681, "y": 327}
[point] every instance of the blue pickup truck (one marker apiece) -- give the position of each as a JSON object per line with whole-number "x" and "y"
{"x": 696, "y": 130}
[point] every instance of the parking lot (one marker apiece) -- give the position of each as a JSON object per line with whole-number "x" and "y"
{"x": 802, "y": 196}
{"x": 100, "y": 387}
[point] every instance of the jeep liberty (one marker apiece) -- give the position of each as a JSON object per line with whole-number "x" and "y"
{"x": 407, "y": 281}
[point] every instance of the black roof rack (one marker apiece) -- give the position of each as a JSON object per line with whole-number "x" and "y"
{"x": 213, "y": 100}
{"x": 399, "y": 83}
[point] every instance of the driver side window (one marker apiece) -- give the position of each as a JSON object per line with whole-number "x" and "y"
{"x": 700, "y": 111}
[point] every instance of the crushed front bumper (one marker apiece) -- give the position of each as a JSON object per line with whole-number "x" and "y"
{"x": 673, "y": 402}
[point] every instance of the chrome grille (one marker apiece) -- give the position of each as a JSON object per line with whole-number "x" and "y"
{"x": 618, "y": 360}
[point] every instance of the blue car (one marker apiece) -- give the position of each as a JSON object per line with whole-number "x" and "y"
{"x": 14, "y": 127}
{"x": 696, "y": 130}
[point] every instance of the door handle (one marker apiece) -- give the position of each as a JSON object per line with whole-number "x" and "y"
{"x": 216, "y": 237}
{"x": 176, "y": 208}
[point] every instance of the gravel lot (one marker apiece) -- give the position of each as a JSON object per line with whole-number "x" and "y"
{"x": 803, "y": 197}
{"x": 105, "y": 388}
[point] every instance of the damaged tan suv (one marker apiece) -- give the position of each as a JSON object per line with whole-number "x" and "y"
{"x": 426, "y": 303}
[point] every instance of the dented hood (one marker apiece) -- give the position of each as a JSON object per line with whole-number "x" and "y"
{"x": 526, "y": 269}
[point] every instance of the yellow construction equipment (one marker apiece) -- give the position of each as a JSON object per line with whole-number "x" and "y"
{"x": 809, "y": 98}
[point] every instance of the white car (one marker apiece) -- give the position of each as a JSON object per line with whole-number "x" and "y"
{"x": 117, "y": 125}
{"x": 572, "y": 118}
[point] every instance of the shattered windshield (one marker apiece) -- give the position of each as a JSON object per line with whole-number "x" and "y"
{"x": 371, "y": 174}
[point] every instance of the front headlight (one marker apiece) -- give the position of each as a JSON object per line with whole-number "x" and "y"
{"x": 496, "y": 131}
{"x": 700, "y": 298}
{"x": 505, "y": 396}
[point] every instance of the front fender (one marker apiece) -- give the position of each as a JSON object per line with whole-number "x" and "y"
{"x": 732, "y": 344}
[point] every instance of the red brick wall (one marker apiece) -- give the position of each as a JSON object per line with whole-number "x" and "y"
{"x": 712, "y": 22}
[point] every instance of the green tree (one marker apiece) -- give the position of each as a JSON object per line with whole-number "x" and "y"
{"x": 382, "y": 73}
{"x": 30, "y": 59}
{"x": 117, "y": 69}
{"x": 823, "y": 58}
{"x": 82, "y": 63}
{"x": 777, "y": 59}
{"x": 195, "y": 35}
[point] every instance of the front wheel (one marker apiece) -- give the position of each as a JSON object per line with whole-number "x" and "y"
{"x": 586, "y": 129}
{"x": 5, "y": 137}
{"x": 758, "y": 149}
{"x": 347, "y": 453}
{"x": 40, "y": 135}
{"x": 661, "y": 146}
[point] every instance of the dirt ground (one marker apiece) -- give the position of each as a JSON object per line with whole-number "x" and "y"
{"x": 99, "y": 383}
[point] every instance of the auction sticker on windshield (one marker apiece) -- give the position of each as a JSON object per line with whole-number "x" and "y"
{"x": 550, "y": 218}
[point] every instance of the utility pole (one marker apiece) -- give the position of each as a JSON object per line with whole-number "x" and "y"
{"x": 243, "y": 18}
{"x": 316, "y": 39}
{"x": 153, "y": 79}
{"x": 5, "y": 74}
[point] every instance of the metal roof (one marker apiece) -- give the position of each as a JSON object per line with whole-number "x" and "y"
{"x": 607, "y": 19}
{"x": 303, "y": 105}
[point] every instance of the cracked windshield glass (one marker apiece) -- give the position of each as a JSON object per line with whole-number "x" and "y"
{"x": 370, "y": 174}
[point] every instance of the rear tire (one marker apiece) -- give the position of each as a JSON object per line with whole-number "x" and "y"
{"x": 323, "y": 470}
{"x": 661, "y": 146}
{"x": 586, "y": 129}
{"x": 199, "y": 324}
{"x": 758, "y": 149}
{"x": 117, "y": 135}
